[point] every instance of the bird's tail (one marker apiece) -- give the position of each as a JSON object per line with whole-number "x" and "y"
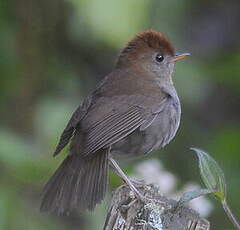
{"x": 78, "y": 183}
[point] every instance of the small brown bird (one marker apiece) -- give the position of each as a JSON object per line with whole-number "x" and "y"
{"x": 133, "y": 111}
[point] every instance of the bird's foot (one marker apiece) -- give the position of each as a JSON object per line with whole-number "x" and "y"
{"x": 131, "y": 184}
{"x": 136, "y": 195}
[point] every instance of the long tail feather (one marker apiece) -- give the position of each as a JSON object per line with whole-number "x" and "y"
{"x": 78, "y": 183}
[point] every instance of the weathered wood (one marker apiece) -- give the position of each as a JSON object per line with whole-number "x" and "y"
{"x": 159, "y": 213}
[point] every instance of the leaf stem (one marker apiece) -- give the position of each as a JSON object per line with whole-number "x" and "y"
{"x": 230, "y": 215}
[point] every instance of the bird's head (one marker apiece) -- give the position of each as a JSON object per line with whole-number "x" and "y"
{"x": 150, "y": 51}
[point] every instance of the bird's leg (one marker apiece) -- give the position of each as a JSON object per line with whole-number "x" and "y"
{"x": 120, "y": 173}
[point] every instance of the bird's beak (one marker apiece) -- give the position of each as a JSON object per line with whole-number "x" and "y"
{"x": 179, "y": 56}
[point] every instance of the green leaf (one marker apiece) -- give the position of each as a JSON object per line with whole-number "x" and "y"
{"x": 212, "y": 175}
{"x": 188, "y": 196}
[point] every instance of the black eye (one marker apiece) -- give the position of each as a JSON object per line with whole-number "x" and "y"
{"x": 159, "y": 58}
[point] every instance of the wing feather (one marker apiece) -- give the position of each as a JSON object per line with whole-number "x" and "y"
{"x": 68, "y": 132}
{"x": 110, "y": 119}
{"x": 112, "y": 129}
{"x": 108, "y": 124}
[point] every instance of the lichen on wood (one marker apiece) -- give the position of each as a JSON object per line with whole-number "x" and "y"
{"x": 157, "y": 213}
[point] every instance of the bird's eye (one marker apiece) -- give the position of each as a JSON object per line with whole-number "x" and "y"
{"x": 159, "y": 58}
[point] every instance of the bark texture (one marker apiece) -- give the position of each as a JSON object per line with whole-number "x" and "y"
{"x": 159, "y": 213}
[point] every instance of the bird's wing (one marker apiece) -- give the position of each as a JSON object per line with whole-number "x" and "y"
{"x": 110, "y": 120}
{"x": 68, "y": 132}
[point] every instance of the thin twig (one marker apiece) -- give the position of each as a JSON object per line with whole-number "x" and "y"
{"x": 230, "y": 215}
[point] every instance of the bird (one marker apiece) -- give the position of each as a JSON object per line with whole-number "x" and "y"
{"x": 133, "y": 111}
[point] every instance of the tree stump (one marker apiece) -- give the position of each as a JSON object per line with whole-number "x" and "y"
{"x": 159, "y": 213}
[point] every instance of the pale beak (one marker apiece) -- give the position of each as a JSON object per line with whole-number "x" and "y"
{"x": 179, "y": 56}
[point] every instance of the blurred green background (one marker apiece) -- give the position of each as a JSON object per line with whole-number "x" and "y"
{"x": 52, "y": 54}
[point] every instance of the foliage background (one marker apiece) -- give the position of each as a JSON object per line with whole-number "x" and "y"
{"x": 52, "y": 54}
